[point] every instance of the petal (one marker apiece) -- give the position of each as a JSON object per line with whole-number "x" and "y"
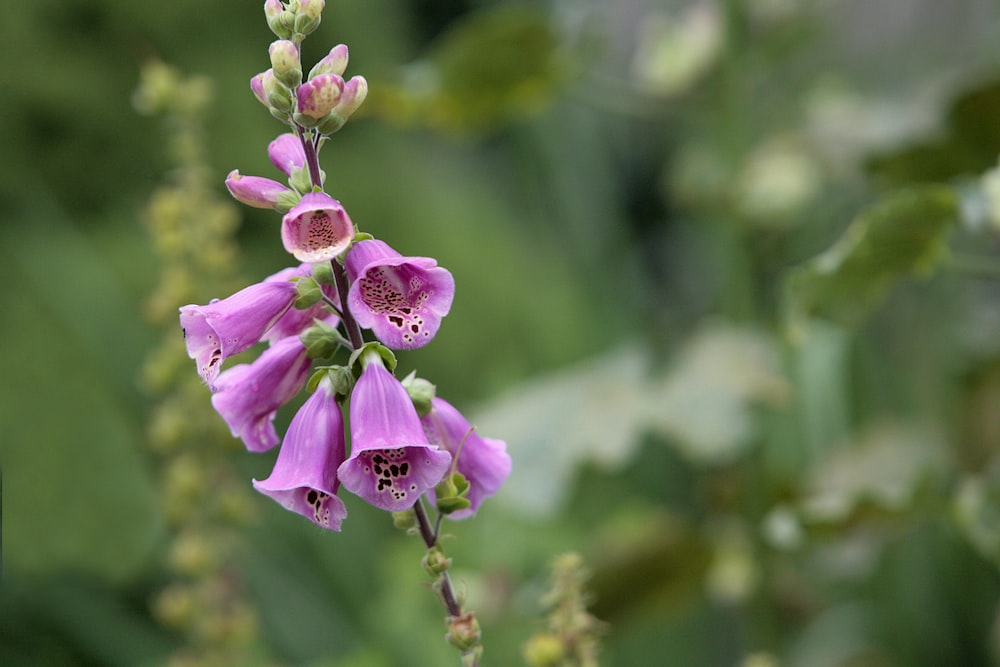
{"x": 248, "y": 395}
{"x": 304, "y": 478}
{"x": 401, "y": 299}
{"x": 483, "y": 461}
{"x": 221, "y": 329}
{"x": 391, "y": 463}
{"x": 286, "y": 153}
{"x": 317, "y": 229}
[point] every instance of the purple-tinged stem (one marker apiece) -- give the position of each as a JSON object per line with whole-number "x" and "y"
{"x": 430, "y": 539}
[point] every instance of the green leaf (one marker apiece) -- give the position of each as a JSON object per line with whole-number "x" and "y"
{"x": 486, "y": 68}
{"x": 901, "y": 235}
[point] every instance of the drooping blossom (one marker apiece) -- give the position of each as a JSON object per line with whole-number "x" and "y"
{"x": 401, "y": 299}
{"x": 226, "y": 327}
{"x": 317, "y": 229}
{"x": 286, "y": 153}
{"x": 391, "y": 462}
{"x": 247, "y": 396}
{"x": 304, "y": 478}
{"x": 255, "y": 191}
{"x": 483, "y": 462}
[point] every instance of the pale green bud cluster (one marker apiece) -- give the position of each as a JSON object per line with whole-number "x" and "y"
{"x": 321, "y": 103}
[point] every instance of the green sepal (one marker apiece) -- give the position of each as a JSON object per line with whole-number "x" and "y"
{"x": 306, "y": 121}
{"x": 322, "y": 340}
{"x": 308, "y": 292}
{"x": 279, "y": 96}
{"x": 387, "y": 356}
{"x": 451, "y": 493}
{"x": 421, "y": 392}
{"x": 322, "y": 273}
{"x": 435, "y": 562}
{"x": 305, "y": 25}
{"x": 340, "y": 377}
{"x": 287, "y": 201}
{"x": 301, "y": 181}
{"x": 281, "y": 24}
{"x": 332, "y": 123}
{"x": 280, "y": 115}
{"x": 405, "y": 520}
{"x": 464, "y": 633}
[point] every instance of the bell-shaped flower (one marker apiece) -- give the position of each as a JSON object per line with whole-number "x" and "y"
{"x": 304, "y": 478}
{"x": 255, "y": 191}
{"x": 286, "y": 153}
{"x": 295, "y": 321}
{"x": 391, "y": 464}
{"x": 317, "y": 229}
{"x": 226, "y": 327}
{"x": 401, "y": 299}
{"x": 247, "y": 396}
{"x": 483, "y": 462}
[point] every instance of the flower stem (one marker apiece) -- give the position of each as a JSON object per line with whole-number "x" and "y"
{"x": 429, "y": 537}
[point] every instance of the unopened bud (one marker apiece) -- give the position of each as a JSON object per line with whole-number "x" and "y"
{"x": 308, "y": 18}
{"x": 277, "y": 95}
{"x": 321, "y": 340}
{"x": 254, "y": 191}
{"x": 334, "y": 62}
{"x": 435, "y": 562}
{"x": 451, "y": 493}
{"x": 322, "y": 273}
{"x": 353, "y": 95}
{"x": 318, "y": 96}
{"x": 279, "y": 20}
{"x": 285, "y": 62}
{"x": 464, "y": 632}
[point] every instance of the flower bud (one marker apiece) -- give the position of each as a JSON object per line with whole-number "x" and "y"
{"x": 322, "y": 273}
{"x": 285, "y": 62}
{"x": 321, "y": 340}
{"x": 308, "y": 17}
{"x": 318, "y": 96}
{"x": 257, "y": 86}
{"x": 463, "y": 631}
{"x": 254, "y": 191}
{"x": 277, "y": 95}
{"x": 286, "y": 153}
{"x": 279, "y": 20}
{"x": 354, "y": 93}
{"x": 405, "y": 520}
{"x": 435, "y": 562}
{"x": 334, "y": 62}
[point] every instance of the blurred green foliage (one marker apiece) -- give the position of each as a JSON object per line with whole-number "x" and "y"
{"x": 633, "y": 197}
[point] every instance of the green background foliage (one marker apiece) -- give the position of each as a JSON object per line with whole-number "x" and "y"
{"x": 726, "y": 284}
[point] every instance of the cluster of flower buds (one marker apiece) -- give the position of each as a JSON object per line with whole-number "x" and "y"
{"x": 324, "y": 101}
{"x": 404, "y": 441}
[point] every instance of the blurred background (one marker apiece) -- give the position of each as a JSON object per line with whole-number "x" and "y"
{"x": 727, "y": 285}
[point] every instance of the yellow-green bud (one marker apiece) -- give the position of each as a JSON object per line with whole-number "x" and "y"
{"x": 435, "y": 562}
{"x": 285, "y": 62}
{"x": 464, "y": 632}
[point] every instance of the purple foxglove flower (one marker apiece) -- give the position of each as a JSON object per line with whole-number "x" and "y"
{"x": 391, "y": 463}
{"x": 286, "y": 153}
{"x": 248, "y": 395}
{"x": 304, "y": 478}
{"x": 334, "y": 62}
{"x": 401, "y": 299}
{"x": 483, "y": 462}
{"x": 317, "y": 229}
{"x": 254, "y": 191}
{"x": 215, "y": 332}
{"x": 295, "y": 321}
{"x": 318, "y": 96}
